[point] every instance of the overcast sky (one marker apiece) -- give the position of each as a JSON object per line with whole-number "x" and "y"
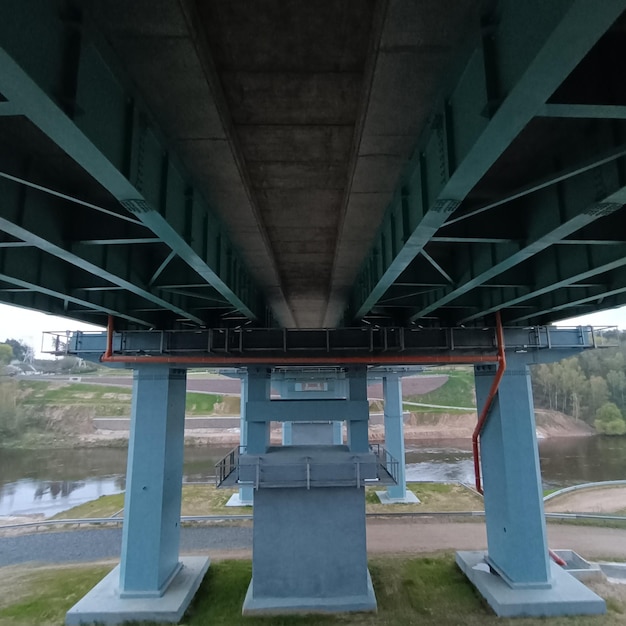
{"x": 28, "y": 326}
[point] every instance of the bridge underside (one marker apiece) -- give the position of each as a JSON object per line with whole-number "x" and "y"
{"x": 337, "y": 183}
{"x": 188, "y": 164}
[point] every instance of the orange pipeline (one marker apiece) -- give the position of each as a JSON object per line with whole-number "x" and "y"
{"x": 492, "y": 393}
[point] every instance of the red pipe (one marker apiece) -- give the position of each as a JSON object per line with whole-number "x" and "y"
{"x": 492, "y": 393}
{"x": 109, "y": 349}
{"x": 556, "y": 558}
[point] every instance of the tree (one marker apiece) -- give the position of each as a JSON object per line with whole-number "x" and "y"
{"x": 597, "y": 394}
{"x": 6, "y": 353}
{"x": 616, "y": 380}
{"x": 609, "y": 420}
{"x": 21, "y": 351}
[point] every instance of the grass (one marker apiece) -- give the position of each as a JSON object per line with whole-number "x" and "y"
{"x": 42, "y": 596}
{"x": 207, "y": 500}
{"x": 201, "y": 403}
{"x": 43, "y": 392}
{"x": 457, "y": 391}
{"x": 104, "y": 506}
{"x": 434, "y": 497}
{"x": 197, "y": 500}
{"x": 106, "y": 400}
{"x": 429, "y": 591}
{"x": 109, "y": 400}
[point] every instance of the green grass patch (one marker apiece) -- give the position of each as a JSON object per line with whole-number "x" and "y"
{"x": 434, "y": 498}
{"x": 110, "y": 400}
{"x": 107, "y": 400}
{"x": 196, "y": 500}
{"x": 205, "y": 499}
{"x": 42, "y": 392}
{"x": 429, "y": 591}
{"x": 201, "y": 403}
{"x": 43, "y": 596}
{"x": 457, "y": 391}
{"x": 104, "y": 506}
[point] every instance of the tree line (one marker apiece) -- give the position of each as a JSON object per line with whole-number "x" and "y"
{"x": 590, "y": 386}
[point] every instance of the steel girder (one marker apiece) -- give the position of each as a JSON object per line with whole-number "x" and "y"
{"x": 59, "y": 79}
{"x": 505, "y": 84}
{"x": 545, "y": 219}
{"x": 36, "y": 220}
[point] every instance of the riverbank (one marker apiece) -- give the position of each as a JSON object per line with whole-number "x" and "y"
{"x": 68, "y": 412}
{"x": 417, "y": 427}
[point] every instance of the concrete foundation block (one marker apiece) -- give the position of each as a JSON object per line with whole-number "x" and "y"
{"x": 235, "y": 500}
{"x": 103, "y": 605}
{"x": 302, "y": 605}
{"x": 565, "y": 596}
{"x": 409, "y": 498}
{"x": 578, "y": 567}
{"x": 309, "y": 552}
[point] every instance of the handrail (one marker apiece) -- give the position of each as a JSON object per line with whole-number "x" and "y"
{"x": 227, "y": 465}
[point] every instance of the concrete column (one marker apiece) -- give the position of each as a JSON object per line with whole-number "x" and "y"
{"x": 258, "y": 389}
{"x": 337, "y": 433}
{"x": 153, "y": 482}
{"x": 394, "y": 431}
{"x": 357, "y": 429}
{"x": 246, "y": 494}
{"x": 287, "y": 433}
{"x": 516, "y": 530}
{"x": 151, "y": 582}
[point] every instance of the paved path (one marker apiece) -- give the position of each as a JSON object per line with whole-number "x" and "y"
{"x": 105, "y": 543}
{"x": 383, "y": 536}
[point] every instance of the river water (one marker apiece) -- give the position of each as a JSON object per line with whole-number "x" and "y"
{"x": 51, "y": 481}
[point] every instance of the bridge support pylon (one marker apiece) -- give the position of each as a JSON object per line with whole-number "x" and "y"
{"x": 516, "y": 575}
{"x": 152, "y": 582}
{"x": 245, "y": 495}
{"x": 309, "y": 545}
{"x": 394, "y": 439}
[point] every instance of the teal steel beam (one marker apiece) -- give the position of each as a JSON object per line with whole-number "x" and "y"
{"x": 69, "y": 198}
{"x": 559, "y": 302}
{"x": 27, "y": 299}
{"x": 554, "y": 269}
{"x": 31, "y": 217}
{"x": 119, "y": 242}
{"x": 597, "y": 111}
{"x": 576, "y": 170}
{"x": 44, "y": 274}
{"x": 113, "y": 140}
{"x": 462, "y": 144}
{"x": 552, "y": 214}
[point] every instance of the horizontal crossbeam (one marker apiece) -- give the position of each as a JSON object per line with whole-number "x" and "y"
{"x": 341, "y": 346}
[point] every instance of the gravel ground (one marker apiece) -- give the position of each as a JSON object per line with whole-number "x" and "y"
{"x": 384, "y": 536}
{"x": 105, "y": 543}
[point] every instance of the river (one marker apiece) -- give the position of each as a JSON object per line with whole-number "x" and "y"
{"x": 51, "y": 481}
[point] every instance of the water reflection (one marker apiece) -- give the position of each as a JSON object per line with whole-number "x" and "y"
{"x": 48, "y": 482}
{"x": 47, "y": 498}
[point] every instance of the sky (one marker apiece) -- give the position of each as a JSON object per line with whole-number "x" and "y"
{"x": 29, "y": 326}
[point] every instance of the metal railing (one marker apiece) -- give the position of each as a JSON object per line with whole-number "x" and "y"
{"x": 103, "y": 521}
{"x": 257, "y": 471}
{"x": 229, "y": 464}
{"x": 353, "y": 472}
{"x": 386, "y": 461}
